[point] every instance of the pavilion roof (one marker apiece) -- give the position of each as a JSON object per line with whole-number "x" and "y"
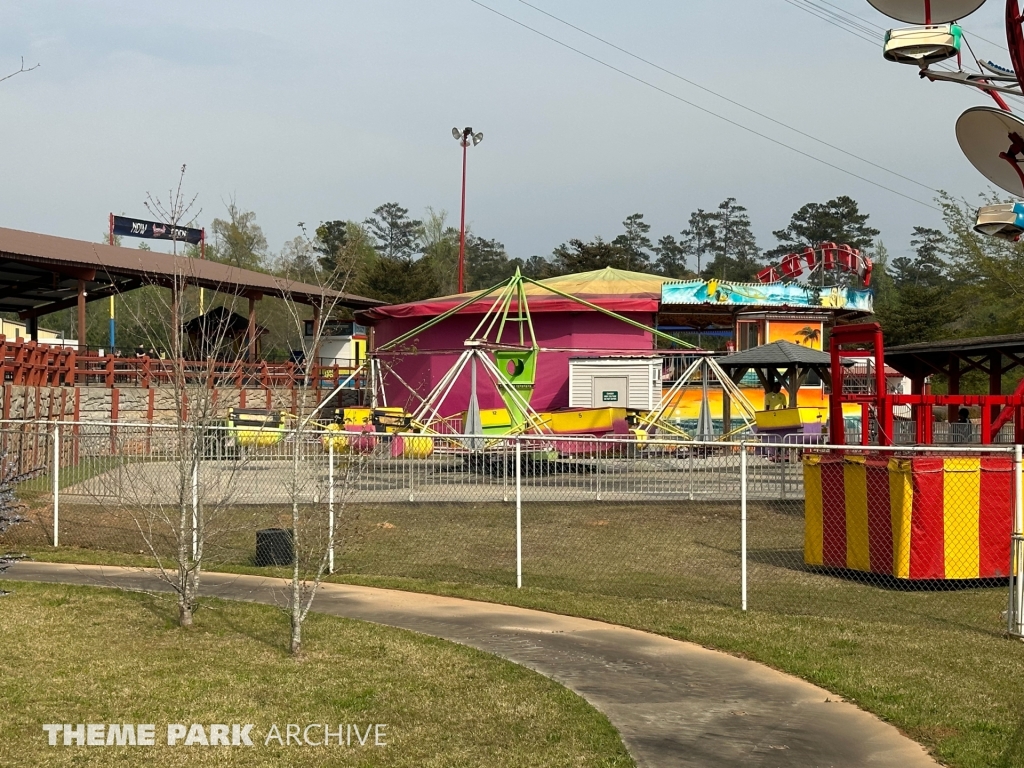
{"x": 40, "y": 274}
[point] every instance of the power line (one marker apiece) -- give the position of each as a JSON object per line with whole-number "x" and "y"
{"x": 858, "y": 17}
{"x": 832, "y": 18}
{"x": 698, "y": 107}
{"x": 726, "y": 98}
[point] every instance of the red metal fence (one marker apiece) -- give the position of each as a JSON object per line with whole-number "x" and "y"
{"x": 34, "y": 364}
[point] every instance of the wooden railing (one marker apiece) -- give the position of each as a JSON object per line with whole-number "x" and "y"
{"x": 34, "y": 364}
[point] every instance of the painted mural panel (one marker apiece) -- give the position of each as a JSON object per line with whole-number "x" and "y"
{"x": 802, "y": 332}
{"x": 768, "y": 295}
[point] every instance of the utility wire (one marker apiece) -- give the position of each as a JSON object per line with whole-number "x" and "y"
{"x": 726, "y": 98}
{"x": 700, "y": 108}
{"x": 832, "y": 18}
{"x": 860, "y": 19}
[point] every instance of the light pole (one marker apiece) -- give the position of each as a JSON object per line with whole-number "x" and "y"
{"x": 465, "y": 137}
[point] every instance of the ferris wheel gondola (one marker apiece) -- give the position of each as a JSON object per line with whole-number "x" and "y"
{"x": 923, "y": 46}
{"x": 993, "y": 141}
{"x": 1005, "y": 221}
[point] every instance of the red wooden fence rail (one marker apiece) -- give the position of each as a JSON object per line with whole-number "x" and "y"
{"x": 35, "y": 364}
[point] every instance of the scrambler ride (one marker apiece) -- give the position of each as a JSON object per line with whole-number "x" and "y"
{"x": 502, "y": 349}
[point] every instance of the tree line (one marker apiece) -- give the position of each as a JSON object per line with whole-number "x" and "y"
{"x": 397, "y": 258}
{"x": 953, "y": 283}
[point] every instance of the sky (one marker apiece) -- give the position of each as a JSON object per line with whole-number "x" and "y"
{"x": 310, "y": 111}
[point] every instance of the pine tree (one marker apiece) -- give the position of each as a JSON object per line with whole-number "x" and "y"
{"x": 635, "y": 243}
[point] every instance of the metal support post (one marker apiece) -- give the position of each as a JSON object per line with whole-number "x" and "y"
{"x": 519, "y": 514}
{"x": 55, "y": 470}
{"x": 743, "y": 526}
{"x": 195, "y": 502}
{"x": 1015, "y": 613}
{"x": 330, "y": 505}
{"x": 689, "y": 470}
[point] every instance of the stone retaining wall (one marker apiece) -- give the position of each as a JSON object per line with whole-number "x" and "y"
{"x": 141, "y": 405}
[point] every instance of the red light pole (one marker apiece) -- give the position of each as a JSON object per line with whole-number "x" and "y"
{"x": 465, "y": 137}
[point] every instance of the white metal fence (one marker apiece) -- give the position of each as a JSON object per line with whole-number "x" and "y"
{"x": 721, "y": 524}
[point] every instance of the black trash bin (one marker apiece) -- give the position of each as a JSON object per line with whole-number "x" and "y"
{"x": 274, "y": 546}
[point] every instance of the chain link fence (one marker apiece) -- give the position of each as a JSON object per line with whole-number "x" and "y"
{"x": 787, "y": 527}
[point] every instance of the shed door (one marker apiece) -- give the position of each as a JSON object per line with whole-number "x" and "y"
{"x": 611, "y": 392}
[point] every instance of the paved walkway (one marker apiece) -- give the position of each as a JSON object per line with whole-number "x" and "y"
{"x": 674, "y": 703}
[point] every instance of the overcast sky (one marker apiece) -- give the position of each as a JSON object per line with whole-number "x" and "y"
{"x": 305, "y": 111}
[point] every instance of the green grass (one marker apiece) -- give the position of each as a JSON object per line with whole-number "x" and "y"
{"x": 933, "y": 662}
{"x": 88, "y": 655}
{"x": 42, "y": 484}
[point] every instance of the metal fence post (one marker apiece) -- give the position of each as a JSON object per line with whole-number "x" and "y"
{"x": 689, "y": 470}
{"x": 195, "y": 498}
{"x": 504, "y": 470}
{"x": 519, "y": 514}
{"x": 743, "y": 526}
{"x": 330, "y": 505}
{"x": 783, "y": 455}
{"x": 1015, "y": 619}
{"x": 56, "y": 484}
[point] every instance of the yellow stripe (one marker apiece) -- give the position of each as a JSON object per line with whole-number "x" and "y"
{"x": 813, "y": 513}
{"x": 901, "y": 504}
{"x": 961, "y": 488}
{"x": 855, "y": 478}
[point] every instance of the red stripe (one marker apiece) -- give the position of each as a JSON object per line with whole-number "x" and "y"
{"x": 879, "y": 516}
{"x": 995, "y": 517}
{"x": 833, "y": 512}
{"x": 927, "y": 529}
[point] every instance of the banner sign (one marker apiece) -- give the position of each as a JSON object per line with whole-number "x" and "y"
{"x": 759, "y": 295}
{"x": 154, "y": 230}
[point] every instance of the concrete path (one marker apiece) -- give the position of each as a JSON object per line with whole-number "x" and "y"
{"x": 674, "y": 703}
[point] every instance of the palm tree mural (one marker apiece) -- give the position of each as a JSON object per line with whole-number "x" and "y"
{"x": 809, "y": 335}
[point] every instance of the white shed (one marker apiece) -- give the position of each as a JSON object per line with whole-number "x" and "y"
{"x": 616, "y": 382}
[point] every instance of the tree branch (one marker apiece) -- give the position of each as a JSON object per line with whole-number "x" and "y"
{"x": 19, "y": 71}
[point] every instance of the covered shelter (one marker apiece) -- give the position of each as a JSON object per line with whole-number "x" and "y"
{"x": 993, "y": 356}
{"x": 206, "y": 334}
{"x": 41, "y": 274}
{"x": 782, "y": 362}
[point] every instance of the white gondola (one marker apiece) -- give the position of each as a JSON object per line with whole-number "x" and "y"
{"x": 923, "y": 46}
{"x": 1005, "y": 221}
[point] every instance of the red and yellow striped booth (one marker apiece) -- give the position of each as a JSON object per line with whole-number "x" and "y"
{"x": 913, "y": 518}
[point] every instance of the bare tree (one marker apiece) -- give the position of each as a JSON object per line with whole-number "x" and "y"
{"x": 176, "y": 211}
{"x": 314, "y": 536}
{"x": 164, "y": 495}
{"x": 182, "y": 518}
{"x": 11, "y": 474}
